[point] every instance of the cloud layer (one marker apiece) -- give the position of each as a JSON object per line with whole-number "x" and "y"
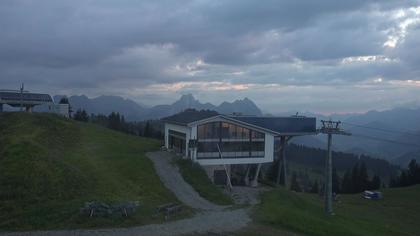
{"x": 324, "y": 56}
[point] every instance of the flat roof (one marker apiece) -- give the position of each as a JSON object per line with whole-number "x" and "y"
{"x": 189, "y": 116}
{"x": 12, "y": 97}
{"x": 293, "y": 125}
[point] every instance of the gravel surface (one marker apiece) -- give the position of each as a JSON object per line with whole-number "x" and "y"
{"x": 247, "y": 195}
{"x": 202, "y": 223}
{"x": 172, "y": 179}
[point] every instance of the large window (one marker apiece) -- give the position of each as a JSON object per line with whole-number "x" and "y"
{"x": 227, "y": 140}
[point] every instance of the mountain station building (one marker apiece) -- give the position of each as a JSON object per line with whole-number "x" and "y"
{"x": 27, "y": 101}
{"x": 218, "y": 141}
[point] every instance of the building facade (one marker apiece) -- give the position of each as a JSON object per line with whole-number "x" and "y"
{"x": 221, "y": 140}
{"x": 27, "y": 101}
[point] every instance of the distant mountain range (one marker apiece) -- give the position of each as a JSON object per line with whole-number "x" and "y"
{"x": 405, "y": 159}
{"x": 392, "y": 134}
{"x": 135, "y": 112}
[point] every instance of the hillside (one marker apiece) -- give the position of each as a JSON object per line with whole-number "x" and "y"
{"x": 405, "y": 159}
{"x": 314, "y": 159}
{"x": 50, "y": 166}
{"x": 369, "y": 130}
{"x": 396, "y": 214}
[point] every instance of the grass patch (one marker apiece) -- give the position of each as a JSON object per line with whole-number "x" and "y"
{"x": 396, "y": 214}
{"x": 50, "y": 166}
{"x": 196, "y": 176}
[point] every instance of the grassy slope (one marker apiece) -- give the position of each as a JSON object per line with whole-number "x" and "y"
{"x": 396, "y": 214}
{"x": 49, "y": 166}
{"x": 196, "y": 176}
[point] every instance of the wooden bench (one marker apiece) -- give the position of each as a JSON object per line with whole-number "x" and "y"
{"x": 168, "y": 209}
{"x": 172, "y": 210}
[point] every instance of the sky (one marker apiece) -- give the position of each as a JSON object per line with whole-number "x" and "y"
{"x": 321, "y": 56}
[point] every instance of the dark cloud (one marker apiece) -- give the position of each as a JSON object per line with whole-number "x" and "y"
{"x": 110, "y": 47}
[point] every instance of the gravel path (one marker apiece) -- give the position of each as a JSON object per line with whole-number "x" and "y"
{"x": 172, "y": 179}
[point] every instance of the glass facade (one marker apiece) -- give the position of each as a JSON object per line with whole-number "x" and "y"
{"x": 231, "y": 140}
{"x": 177, "y": 141}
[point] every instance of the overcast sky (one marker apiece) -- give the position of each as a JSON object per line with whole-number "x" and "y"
{"x": 322, "y": 56}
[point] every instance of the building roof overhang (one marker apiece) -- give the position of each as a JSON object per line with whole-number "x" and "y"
{"x": 235, "y": 120}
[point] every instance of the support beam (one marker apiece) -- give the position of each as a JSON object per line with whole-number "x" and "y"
{"x": 279, "y": 161}
{"x": 283, "y": 154}
{"x": 254, "y": 182}
{"x": 282, "y": 160}
{"x": 329, "y": 128}
{"x": 246, "y": 180}
{"x": 328, "y": 179}
{"x": 229, "y": 182}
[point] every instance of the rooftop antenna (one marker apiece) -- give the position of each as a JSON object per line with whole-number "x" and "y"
{"x": 330, "y": 127}
{"x": 21, "y": 97}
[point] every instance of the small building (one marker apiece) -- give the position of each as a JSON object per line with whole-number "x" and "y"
{"x": 27, "y": 101}
{"x": 217, "y": 141}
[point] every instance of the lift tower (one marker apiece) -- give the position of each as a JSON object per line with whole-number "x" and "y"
{"x": 330, "y": 127}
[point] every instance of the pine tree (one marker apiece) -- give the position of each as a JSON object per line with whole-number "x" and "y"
{"x": 81, "y": 115}
{"x": 64, "y": 100}
{"x": 346, "y": 185}
{"x": 363, "y": 178}
{"x": 147, "y": 130}
{"x": 282, "y": 182}
{"x": 404, "y": 179}
{"x": 295, "y": 184}
{"x": 335, "y": 182}
{"x": 355, "y": 184}
{"x": 375, "y": 183}
{"x": 413, "y": 172}
{"x": 315, "y": 187}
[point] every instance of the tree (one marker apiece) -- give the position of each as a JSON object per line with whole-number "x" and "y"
{"x": 407, "y": 177}
{"x": 64, "y": 100}
{"x": 413, "y": 172}
{"x": 363, "y": 178}
{"x": 114, "y": 121}
{"x": 81, "y": 115}
{"x": 375, "y": 183}
{"x": 393, "y": 182}
{"x": 295, "y": 184}
{"x": 346, "y": 184}
{"x": 404, "y": 179}
{"x": 355, "y": 185}
{"x": 147, "y": 130}
{"x": 335, "y": 182}
{"x": 315, "y": 187}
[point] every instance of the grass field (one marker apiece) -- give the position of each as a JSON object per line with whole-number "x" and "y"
{"x": 50, "y": 166}
{"x": 396, "y": 214}
{"x": 195, "y": 175}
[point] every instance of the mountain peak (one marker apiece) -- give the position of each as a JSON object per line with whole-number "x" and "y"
{"x": 186, "y": 101}
{"x": 187, "y": 97}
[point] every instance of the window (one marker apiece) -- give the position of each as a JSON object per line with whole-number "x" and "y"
{"x": 234, "y": 141}
{"x": 225, "y": 130}
{"x": 208, "y": 131}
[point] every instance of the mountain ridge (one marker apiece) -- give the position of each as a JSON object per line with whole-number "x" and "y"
{"x": 135, "y": 112}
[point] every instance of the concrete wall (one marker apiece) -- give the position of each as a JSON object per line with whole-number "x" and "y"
{"x": 210, "y": 170}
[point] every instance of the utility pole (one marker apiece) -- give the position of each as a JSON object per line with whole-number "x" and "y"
{"x": 330, "y": 128}
{"x": 282, "y": 160}
{"x": 21, "y": 97}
